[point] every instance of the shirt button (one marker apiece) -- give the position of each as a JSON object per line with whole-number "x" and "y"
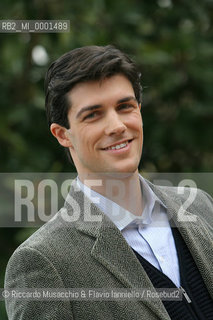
{"x": 138, "y": 221}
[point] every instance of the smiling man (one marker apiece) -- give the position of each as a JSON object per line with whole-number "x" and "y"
{"x": 128, "y": 234}
{"x": 105, "y": 135}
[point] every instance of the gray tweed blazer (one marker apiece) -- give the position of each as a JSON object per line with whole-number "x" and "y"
{"x": 82, "y": 254}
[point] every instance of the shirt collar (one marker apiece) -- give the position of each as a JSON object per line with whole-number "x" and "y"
{"x": 120, "y": 216}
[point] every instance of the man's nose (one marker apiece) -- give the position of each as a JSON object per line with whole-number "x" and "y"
{"x": 114, "y": 124}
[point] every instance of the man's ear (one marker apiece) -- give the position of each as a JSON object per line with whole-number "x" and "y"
{"x": 61, "y": 134}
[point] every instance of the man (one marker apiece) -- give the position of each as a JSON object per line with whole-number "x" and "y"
{"x": 128, "y": 233}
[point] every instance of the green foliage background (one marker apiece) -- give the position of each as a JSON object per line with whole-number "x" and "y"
{"x": 172, "y": 43}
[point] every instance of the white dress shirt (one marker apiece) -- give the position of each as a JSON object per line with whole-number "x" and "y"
{"x": 149, "y": 234}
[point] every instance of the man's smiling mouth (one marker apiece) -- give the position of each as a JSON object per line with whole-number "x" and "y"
{"x": 118, "y": 145}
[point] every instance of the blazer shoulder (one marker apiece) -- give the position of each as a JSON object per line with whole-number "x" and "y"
{"x": 194, "y": 200}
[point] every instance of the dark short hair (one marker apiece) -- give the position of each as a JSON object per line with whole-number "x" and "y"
{"x": 81, "y": 65}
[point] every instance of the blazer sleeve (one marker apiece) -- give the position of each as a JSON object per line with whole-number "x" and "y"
{"x": 29, "y": 268}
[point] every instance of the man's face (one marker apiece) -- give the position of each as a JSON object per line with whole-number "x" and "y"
{"x": 105, "y": 126}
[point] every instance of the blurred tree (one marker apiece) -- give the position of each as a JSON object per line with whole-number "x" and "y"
{"x": 171, "y": 41}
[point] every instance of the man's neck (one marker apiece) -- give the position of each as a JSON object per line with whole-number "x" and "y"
{"x": 123, "y": 189}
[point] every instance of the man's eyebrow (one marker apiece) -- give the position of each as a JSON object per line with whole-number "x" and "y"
{"x": 98, "y": 106}
{"x": 126, "y": 99}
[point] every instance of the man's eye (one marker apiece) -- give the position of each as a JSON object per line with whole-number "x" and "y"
{"x": 126, "y": 106}
{"x": 91, "y": 115}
